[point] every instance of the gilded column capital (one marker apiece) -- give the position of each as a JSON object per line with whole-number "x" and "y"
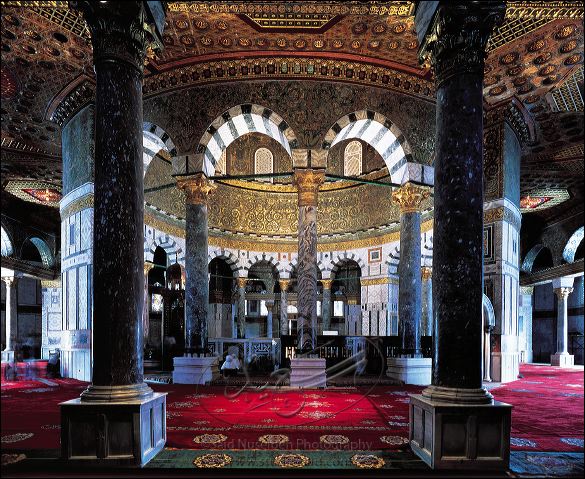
{"x": 197, "y": 188}
{"x": 283, "y": 283}
{"x": 563, "y": 293}
{"x": 455, "y": 40}
{"x": 410, "y": 197}
{"x": 326, "y": 283}
{"x": 50, "y": 283}
{"x": 308, "y": 182}
{"x": 241, "y": 282}
{"x": 147, "y": 267}
{"x": 426, "y": 273}
{"x": 269, "y": 305}
{"x": 120, "y": 31}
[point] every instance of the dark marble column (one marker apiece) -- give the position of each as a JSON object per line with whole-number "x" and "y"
{"x": 409, "y": 197}
{"x": 326, "y": 305}
{"x": 427, "y": 301}
{"x": 119, "y": 40}
{"x": 454, "y": 45}
{"x": 283, "y": 306}
{"x": 242, "y": 307}
{"x": 197, "y": 190}
{"x": 307, "y": 182}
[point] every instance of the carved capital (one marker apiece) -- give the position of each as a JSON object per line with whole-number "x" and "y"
{"x": 120, "y": 31}
{"x": 527, "y": 290}
{"x": 456, "y": 39}
{"x": 147, "y": 267}
{"x": 241, "y": 282}
{"x": 50, "y": 283}
{"x": 283, "y": 283}
{"x": 197, "y": 188}
{"x": 410, "y": 197}
{"x": 326, "y": 283}
{"x": 563, "y": 293}
{"x": 426, "y": 273}
{"x": 308, "y": 182}
{"x": 10, "y": 281}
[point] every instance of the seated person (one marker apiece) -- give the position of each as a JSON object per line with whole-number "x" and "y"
{"x": 230, "y": 366}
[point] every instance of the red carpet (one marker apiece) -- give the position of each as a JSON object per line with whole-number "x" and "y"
{"x": 548, "y": 409}
{"x": 548, "y": 415}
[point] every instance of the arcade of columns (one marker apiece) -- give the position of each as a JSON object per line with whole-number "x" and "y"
{"x": 119, "y": 404}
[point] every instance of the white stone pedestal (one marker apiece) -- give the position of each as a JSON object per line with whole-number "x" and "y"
{"x": 7, "y": 356}
{"x": 194, "y": 370}
{"x": 415, "y": 371}
{"x": 564, "y": 360}
{"x": 125, "y": 433}
{"x": 308, "y": 373}
{"x": 454, "y": 436}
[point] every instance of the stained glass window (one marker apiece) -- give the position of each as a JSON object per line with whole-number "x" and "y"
{"x": 263, "y": 163}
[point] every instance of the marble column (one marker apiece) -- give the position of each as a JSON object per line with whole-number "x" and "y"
{"x": 146, "y": 311}
{"x": 307, "y": 182}
{"x": 11, "y": 314}
{"x": 119, "y": 44}
{"x": 269, "y": 308}
{"x": 326, "y": 305}
{"x": 197, "y": 189}
{"x": 126, "y": 416}
{"x": 562, "y": 287}
{"x": 242, "y": 306}
{"x": 525, "y": 316}
{"x": 283, "y": 306}
{"x": 451, "y": 414}
{"x": 427, "y": 301}
{"x": 410, "y": 198}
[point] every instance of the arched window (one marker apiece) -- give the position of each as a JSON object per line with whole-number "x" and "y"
{"x": 6, "y": 244}
{"x": 221, "y": 167}
{"x": 263, "y": 163}
{"x": 352, "y": 160}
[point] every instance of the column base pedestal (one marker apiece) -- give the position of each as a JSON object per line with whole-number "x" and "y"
{"x": 564, "y": 360}
{"x": 460, "y": 436}
{"x": 415, "y": 371}
{"x": 505, "y": 367}
{"x": 194, "y": 370}
{"x": 308, "y": 373}
{"x": 113, "y": 434}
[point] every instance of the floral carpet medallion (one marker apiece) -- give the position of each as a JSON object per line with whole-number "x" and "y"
{"x": 291, "y": 460}
{"x": 367, "y": 461}
{"x": 212, "y": 461}
{"x": 331, "y": 439}
{"x": 394, "y": 440}
{"x": 210, "y": 438}
{"x": 273, "y": 439}
{"x": 21, "y": 436}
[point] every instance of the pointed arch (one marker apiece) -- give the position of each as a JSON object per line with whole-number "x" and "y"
{"x": 571, "y": 247}
{"x": 230, "y": 258}
{"x": 47, "y": 257}
{"x": 341, "y": 258}
{"x": 170, "y": 246}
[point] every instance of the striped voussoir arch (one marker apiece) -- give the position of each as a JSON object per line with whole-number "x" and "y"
{"x": 238, "y": 121}
{"x": 344, "y": 257}
{"x": 292, "y": 265}
{"x": 530, "y": 258}
{"x": 230, "y": 258}
{"x": 262, "y": 257}
{"x": 155, "y": 139}
{"x": 172, "y": 249}
{"x": 379, "y": 132}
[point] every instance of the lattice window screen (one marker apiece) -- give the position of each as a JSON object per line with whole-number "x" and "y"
{"x": 263, "y": 163}
{"x": 352, "y": 163}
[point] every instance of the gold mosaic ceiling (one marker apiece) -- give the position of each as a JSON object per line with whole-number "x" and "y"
{"x": 533, "y": 56}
